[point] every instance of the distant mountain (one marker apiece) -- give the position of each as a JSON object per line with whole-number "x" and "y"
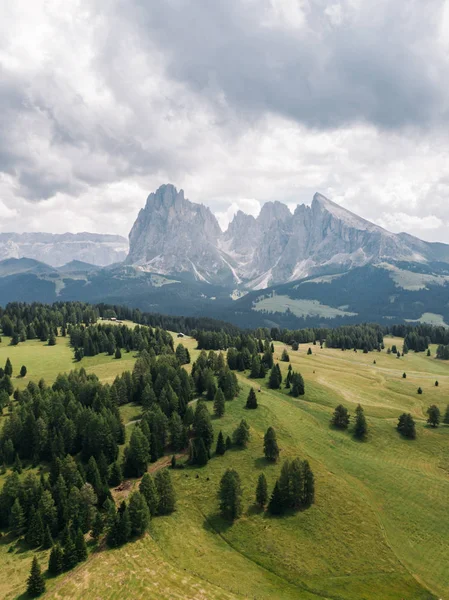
{"x": 173, "y": 235}
{"x": 59, "y": 249}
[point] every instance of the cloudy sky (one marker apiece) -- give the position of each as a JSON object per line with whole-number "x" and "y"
{"x": 236, "y": 101}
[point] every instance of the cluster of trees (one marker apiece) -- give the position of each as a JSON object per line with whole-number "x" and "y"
{"x": 443, "y": 352}
{"x": 361, "y": 337}
{"x": 210, "y": 373}
{"x": 406, "y": 426}
{"x": 341, "y": 418}
{"x": 105, "y": 338}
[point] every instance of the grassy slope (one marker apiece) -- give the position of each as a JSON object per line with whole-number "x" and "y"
{"x": 379, "y": 528}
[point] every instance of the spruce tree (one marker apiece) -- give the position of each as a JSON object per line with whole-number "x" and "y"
{"x": 55, "y": 564}
{"x": 36, "y": 581}
{"x": 255, "y": 367}
{"x": 241, "y": 434}
{"x": 230, "y": 495}
{"x": 149, "y": 491}
{"x": 340, "y": 418}
{"x": 118, "y": 353}
{"x": 404, "y": 375}
{"x": 202, "y": 425}
{"x": 48, "y": 539}
{"x": 80, "y": 546}
{"x": 221, "y": 446}
{"x": 166, "y": 492}
{"x": 23, "y": 371}
{"x": 419, "y": 390}
{"x": 17, "y": 518}
{"x": 270, "y": 445}
{"x": 52, "y": 339}
{"x": 406, "y": 426}
{"x": 285, "y": 357}
{"x": 309, "y": 351}
{"x": 433, "y": 414}
{"x": 275, "y": 505}
{"x": 274, "y": 381}
{"x": 251, "y": 401}
{"x": 297, "y": 385}
{"x": 35, "y": 533}
{"x": 360, "y": 428}
{"x": 69, "y": 554}
{"x": 228, "y": 442}
{"x": 219, "y": 403}
{"x": 115, "y": 475}
{"x": 200, "y": 456}
{"x": 139, "y": 513}
{"x": 262, "y": 491}
{"x": 124, "y": 524}
{"x": 97, "y": 527}
{"x": 8, "y": 367}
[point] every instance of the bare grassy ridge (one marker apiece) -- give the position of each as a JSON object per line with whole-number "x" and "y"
{"x": 379, "y": 528}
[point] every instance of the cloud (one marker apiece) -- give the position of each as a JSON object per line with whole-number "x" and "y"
{"x": 238, "y": 102}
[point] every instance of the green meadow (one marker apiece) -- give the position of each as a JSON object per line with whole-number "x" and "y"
{"x": 379, "y": 528}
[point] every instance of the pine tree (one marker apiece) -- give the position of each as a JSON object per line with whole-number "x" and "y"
{"x": 8, "y": 367}
{"x": 173, "y": 462}
{"x": 419, "y": 390}
{"x": 200, "y": 455}
{"x": 98, "y": 526}
{"x": 361, "y": 428}
{"x": 17, "y": 466}
{"x": 262, "y": 491}
{"x": 36, "y": 582}
{"x": 228, "y": 442}
{"x": 255, "y": 367}
{"x": 23, "y": 371}
{"x": 139, "y": 513}
{"x": 273, "y": 381}
{"x": 52, "y": 339}
{"x": 35, "y": 533}
{"x": 406, "y": 426}
{"x": 340, "y": 417}
{"x": 309, "y": 351}
{"x": 436, "y": 384}
{"x": 275, "y": 506}
{"x": 17, "y": 518}
{"x": 270, "y": 445}
{"x": 55, "y": 564}
{"x": 433, "y": 413}
{"x": 115, "y": 475}
{"x": 136, "y": 454}
{"x": 285, "y": 486}
{"x": 297, "y": 383}
{"x": 124, "y": 524}
{"x": 48, "y": 539}
{"x": 404, "y": 375}
{"x": 118, "y": 353}
{"x": 296, "y": 483}
{"x": 69, "y": 555}
{"x": 166, "y": 492}
{"x": 221, "y": 447}
{"x": 80, "y": 546}
{"x": 202, "y": 425}
{"x": 241, "y": 434}
{"x": 285, "y": 357}
{"x": 149, "y": 491}
{"x": 251, "y": 401}
{"x": 230, "y": 495}
{"x": 219, "y": 403}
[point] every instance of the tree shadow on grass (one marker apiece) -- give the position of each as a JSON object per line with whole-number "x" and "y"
{"x": 216, "y": 524}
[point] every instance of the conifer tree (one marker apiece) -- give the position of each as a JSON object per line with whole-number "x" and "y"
{"x": 17, "y": 466}
{"x": 48, "y": 539}
{"x": 202, "y": 425}
{"x": 52, "y": 339}
{"x": 296, "y": 484}
{"x": 136, "y": 454}
{"x": 446, "y": 416}
{"x": 200, "y": 456}
{"x": 251, "y": 401}
{"x": 221, "y": 446}
{"x": 166, "y": 492}
{"x": 149, "y": 491}
{"x": 139, "y": 513}
{"x": 275, "y": 505}
{"x": 340, "y": 418}
{"x": 433, "y": 414}
{"x": 309, "y": 351}
{"x": 285, "y": 485}
{"x": 124, "y": 524}
{"x": 406, "y": 426}
{"x": 360, "y": 428}
{"x": 55, "y": 564}
{"x": 230, "y": 495}
{"x": 35, "y": 533}
{"x": 23, "y": 371}
{"x": 36, "y": 582}
{"x": 274, "y": 381}
{"x": 288, "y": 379}
{"x": 115, "y": 475}
{"x": 262, "y": 491}
{"x": 98, "y": 526}
{"x": 255, "y": 367}
{"x": 228, "y": 442}
{"x": 309, "y": 485}
{"x": 69, "y": 555}
{"x": 8, "y": 367}
{"x": 118, "y": 353}
{"x": 219, "y": 403}
{"x": 80, "y": 546}
{"x": 404, "y": 375}
{"x": 285, "y": 357}
{"x": 241, "y": 434}
{"x": 17, "y": 518}
{"x": 419, "y": 390}
{"x": 270, "y": 445}
{"x": 297, "y": 385}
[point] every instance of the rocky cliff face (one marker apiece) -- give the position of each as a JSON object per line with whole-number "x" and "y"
{"x": 57, "y": 250}
{"x": 173, "y": 235}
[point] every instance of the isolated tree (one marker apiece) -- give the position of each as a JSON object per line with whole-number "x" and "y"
{"x": 8, "y": 367}
{"x": 52, "y": 339}
{"x": 270, "y": 445}
{"x": 360, "y": 428}
{"x": 285, "y": 357}
{"x": 428, "y": 352}
{"x": 55, "y": 564}
{"x": 309, "y": 351}
{"x": 36, "y": 582}
{"x": 262, "y": 491}
{"x": 241, "y": 434}
{"x": 149, "y": 491}
{"x": 166, "y": 492}
{"x": 419, "y": 390}
{"x": 139, "y": 513}
{"x": 433, "y": 414}
{"x": 406, "y": 426}
{"x": 404, "y": 375}
{"x": 275, "y": 505}
{"x": 340, "y": 418}
{"x": 230, "y": 495}
{"x": 219, "y": 403}
{"x": 118, "y": 353}
{"x": 436, "y": 384}
{"x": 221, "y": 446}
{"x": 23, "y": 371}
{"x": 251, "y": 401}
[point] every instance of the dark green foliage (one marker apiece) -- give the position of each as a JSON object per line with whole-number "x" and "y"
{"x": 297, "y": 385}
{"x": 139, "y": 513}
{"x": 166, "y": 492}
{"x": 55, "y": 562}
{"x": 340, "y": 418}
{"x": 241, "y": 434}
{"x": 221, "y": 446}
{"x": 48, "y": 539}
{"x": 198, "y": 454}
{"x": 308, "y": 497}
{"x": 80, "y": 546}
{"x": 118, "y": 353}
{"x": 406, "y": 426}
{"x": 285, "y": 357}
{"x": 17, "y": 518}
{"x": 309, "y": 351}
{"x": 251, "y": 401}
{"x": 255, "y": 367}
{"x": 404, "y": 375}
{"x": 446, "y": 416}
{"x": 36, "y": 581}
{"x": 115, "y": 475}
{"x": 433, "y": 415}
{"x": 360, "y": 427}
{"x": 270, "y": 445}
{"x": 262, "y": 491}
{"x": 228, "y": 442}
{"x": 230, "y": 495}
{"x": 137, "y": 454}
{"x": 8, "y": 368}
{"x": 202, "y": 425}
{"x": 436, "y": 384}
{"x": 276, "y": 506}
{"x": 274, "y": 380}
{"x": 98, "y": 526}
{"x": 124, "y": 527}
{"x": 419, "y": 390}
{"x": 173, "y": 462}
{"x": 52, "y": 339}
{"x": 35, "y": 533}
{"x": 149, "y": 491}
{"x": 23, "y": 371}
{"x": 219, "y": 403}
{"x": 69, "y": 554}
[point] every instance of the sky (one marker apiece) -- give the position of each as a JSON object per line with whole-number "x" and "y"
{"x": 238, "y": 102}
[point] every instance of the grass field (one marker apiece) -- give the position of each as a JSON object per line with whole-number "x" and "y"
{"x": 379, "y": 528}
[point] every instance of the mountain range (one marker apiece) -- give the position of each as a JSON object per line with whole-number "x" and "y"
{"x": 319, "y": 265}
